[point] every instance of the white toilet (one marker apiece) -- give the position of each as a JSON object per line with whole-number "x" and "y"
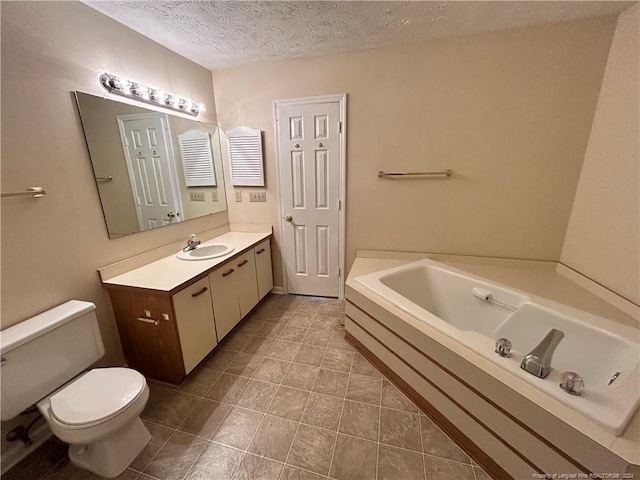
{"x": 96, "y": 412}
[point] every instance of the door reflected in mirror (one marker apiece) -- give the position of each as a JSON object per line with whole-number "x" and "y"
{"x": 151, "y": 168}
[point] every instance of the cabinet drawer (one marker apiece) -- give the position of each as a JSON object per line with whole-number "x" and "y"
{"x": 194, "y": 318}
{"x": 264, "y": 273}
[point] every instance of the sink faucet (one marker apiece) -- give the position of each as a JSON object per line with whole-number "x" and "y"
{"x": 538, "y": 361}
{"x": 192, "y": 243}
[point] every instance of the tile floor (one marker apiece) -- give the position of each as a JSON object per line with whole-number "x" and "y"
{"x": 284, "y": 397}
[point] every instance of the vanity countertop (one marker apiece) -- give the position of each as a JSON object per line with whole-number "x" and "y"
{"x": 170, "y": 272}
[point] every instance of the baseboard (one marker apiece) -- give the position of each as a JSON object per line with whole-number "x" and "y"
{"x": 278, "y": 291}
{"x": 17, "y": 452}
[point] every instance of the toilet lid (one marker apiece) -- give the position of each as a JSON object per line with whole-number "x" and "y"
{"x": 98, "y": 394}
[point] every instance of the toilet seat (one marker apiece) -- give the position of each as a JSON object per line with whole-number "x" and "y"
{"x": 96, "y": 396}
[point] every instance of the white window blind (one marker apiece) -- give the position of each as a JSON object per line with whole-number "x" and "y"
{"x": 197, "y": 159}
{"x": 245, "y": 156}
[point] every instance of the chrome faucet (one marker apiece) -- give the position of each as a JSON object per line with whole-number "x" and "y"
{"x": 192, "y": 243}
{"x": 538, "y": 361}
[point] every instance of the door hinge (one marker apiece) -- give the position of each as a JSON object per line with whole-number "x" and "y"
{"x": 339, "y": 204}
{"x": 339, "y": 127}
{"x": 339, "y": 272}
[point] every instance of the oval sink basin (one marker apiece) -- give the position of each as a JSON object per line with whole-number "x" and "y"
{"x": 206, "y": 252}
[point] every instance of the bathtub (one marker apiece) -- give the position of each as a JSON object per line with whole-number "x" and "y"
{"x": 594, "y": 347}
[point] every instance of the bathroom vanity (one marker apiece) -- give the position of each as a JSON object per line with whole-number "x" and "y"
{"x": 171, "y": 313}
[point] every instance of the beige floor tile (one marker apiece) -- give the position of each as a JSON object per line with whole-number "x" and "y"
{"x": 273, "y": 438}
{"x": 301, "y": 320}
{"x": 251, "y": 325}
{"x": 288, "y": 403}
{"x": 441, "y": 469}
{"x": 217, "y": 462}
{"x": 272, "y": 370}
{"x": 354, "y": 459}
{"x": 205, "y": 418}
{"x": 396, "y": 464}
{"x": 292, "y": 333}
{"x": 238, "y": 428}
{"x": 301, "y": 376}
{"x": 310, "y": 308}
{"x": 272, "y": 300}
{"x": 325, "y": 323}
{"x": 168, "y": 407}
{"x": 317, "y": 337}
{"x": 292, "y": 473}
{"x": 159, "y": 435}
{"x": 176, "y": 457}
{"x": 270, "y": 330}
{"x": 338, "y": 341}
{"x": 244, "y": 364}
{"x": 330, "y": 310}
{"x": 279, "y": 316}
{"x": 360, "y": 420}
{"x": 335, "y": 359}
{"x": 400, "y": 429}
{"x": 258, "y": 345}
{"x": 282, "y": 350}
{"x": 199, "y": 381}
{"x": 323, "y": 411}
{"x": 310, "y": 355}
{"x": 481, "y": 474}
{"x": 394, "y": 398}
{"x": 257, "y": 396}
{"x": 219, "y": 359}
{"x": 364, "y": 388}
{"x": 227, "y": 389}
{"x": 435, "y": 442}
{"x": 257, "y": 468}
{"x": 68, "y": 471}
{"x": 362, "y": 366}
{"x": 331, "y": 382}
{"x": 235, "y": 341}
{"x": 312, "y": 449}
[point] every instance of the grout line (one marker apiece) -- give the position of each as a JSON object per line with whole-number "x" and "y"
{"x": 380, "y": 428}
{"x": 344, "y": 400}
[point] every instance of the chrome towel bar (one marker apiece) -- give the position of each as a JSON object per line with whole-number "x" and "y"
{"x": 33, "y": 192}
{"x": 445, "y": 173}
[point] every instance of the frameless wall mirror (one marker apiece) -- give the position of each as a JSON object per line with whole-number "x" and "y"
{"x": 151, "y": 168}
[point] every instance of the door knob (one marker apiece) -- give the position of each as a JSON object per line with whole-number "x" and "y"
{"x": 288, "y": 218}
{"x": 173, "y": 214}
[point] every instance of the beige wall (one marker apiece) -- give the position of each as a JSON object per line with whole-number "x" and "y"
{"x": 508, "y": 111}
{"x": 603, "y": 237}
{"x": 52, "y": 246}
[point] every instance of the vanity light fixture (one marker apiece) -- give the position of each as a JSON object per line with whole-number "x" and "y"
{"x": 155, "y": 96}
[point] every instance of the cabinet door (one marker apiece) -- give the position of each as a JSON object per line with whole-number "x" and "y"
{"x": 148, "y": 334}
{"x": 264, "y": 272}
{"x": 194, "y": 317}
{"x": 246, "y": 281}
{"x": 224, "y": 294}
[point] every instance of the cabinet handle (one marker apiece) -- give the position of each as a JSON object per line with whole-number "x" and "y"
{"x": 148, "y": 320}
{"x": 228, "y": 273}
{"x": 260, "y": 251}
{"x": 204, "y": 289}
{"x": 244, "y": 262}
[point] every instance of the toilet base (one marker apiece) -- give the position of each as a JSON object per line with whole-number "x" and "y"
{"x": 110, "y": 456}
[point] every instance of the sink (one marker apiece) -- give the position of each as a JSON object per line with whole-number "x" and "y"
{"x": 206, "y": 252}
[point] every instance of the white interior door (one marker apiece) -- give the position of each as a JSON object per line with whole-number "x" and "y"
{"x": 309, "y": 140}
{"x": 145, "y": 139}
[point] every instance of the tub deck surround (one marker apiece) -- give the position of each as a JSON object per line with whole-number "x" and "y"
{"x": 378, "y": 323}
{"x": 594, "y": 347}
{"x": 169, "y": 273}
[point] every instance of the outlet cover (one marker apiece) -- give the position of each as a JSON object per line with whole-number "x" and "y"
{"x": 214, "y": 196}
{"x": 196, "y": 196}
{"x": 257, "y": 196}
{"x": 238, "y": 196}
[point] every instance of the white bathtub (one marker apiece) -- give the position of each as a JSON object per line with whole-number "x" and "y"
{"x": 594, "y": 347}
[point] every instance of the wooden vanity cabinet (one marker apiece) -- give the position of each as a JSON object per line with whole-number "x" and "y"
{"x": 165, "y": 335}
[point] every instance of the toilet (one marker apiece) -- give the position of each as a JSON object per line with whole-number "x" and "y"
{"x": 97, "y": 412}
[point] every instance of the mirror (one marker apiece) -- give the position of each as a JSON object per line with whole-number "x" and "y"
{"x": 152, "y": 168}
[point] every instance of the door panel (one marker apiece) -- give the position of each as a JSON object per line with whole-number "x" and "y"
{"x": 224, "y": 294}
{"x": 309, "y": 142}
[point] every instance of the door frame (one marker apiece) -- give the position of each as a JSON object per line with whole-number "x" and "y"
{"x": 175, "y": 191}
{"x": 341, "y": 99}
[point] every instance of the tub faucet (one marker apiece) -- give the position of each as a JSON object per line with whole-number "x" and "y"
{"x": 538, "y": 361}
{"x": 192, "y": 243}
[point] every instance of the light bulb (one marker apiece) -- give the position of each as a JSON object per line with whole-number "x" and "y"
{"x": 122, "y": 83}
{"x": 202, "y": 107}
{"x": 176, "y": 101}
{"x": 186, "y": 105}
{"x": 141, "y": 90}
{"x": 159, "y": 96}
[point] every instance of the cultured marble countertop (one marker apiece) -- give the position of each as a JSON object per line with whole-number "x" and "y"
{"x": 170, "y": 272}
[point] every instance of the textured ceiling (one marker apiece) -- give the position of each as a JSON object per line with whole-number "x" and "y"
{"x": 220, "y": 34}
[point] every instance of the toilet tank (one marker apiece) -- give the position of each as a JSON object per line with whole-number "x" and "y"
{"x": 45, "y": 352}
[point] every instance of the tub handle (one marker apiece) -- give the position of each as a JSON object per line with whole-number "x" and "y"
{"x": 503, "y": 347}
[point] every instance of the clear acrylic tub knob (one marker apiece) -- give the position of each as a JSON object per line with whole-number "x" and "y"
{"x": 503, "y": 347}
{"x": 572, "y": 383}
